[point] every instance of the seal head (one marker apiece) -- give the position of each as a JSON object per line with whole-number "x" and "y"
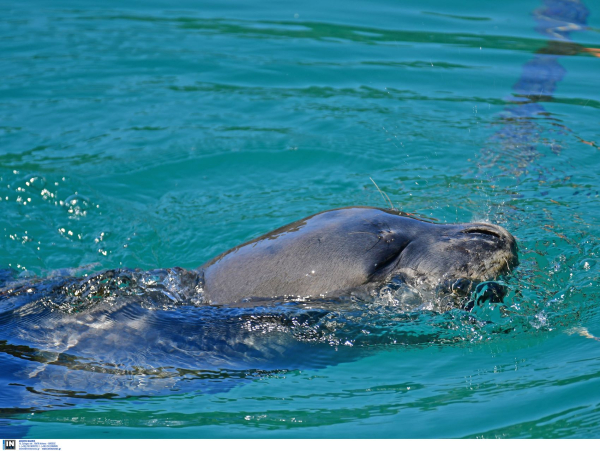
{"x": 335, "y": 252}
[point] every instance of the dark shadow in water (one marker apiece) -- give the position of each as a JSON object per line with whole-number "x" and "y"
{"x": 515, "y": 145}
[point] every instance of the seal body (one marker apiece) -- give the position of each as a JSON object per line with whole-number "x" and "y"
{"x": 337, "y": 251}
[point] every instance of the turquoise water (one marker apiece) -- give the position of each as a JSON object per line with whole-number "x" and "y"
{"x": 161, "y": 134}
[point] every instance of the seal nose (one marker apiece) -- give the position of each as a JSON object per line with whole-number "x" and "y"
{"x": 481, "y": 228}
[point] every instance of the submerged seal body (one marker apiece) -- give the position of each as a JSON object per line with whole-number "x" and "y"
{"x": 332, "y": 253}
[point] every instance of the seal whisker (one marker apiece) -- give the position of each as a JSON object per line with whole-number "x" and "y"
{"x": 384, "y": 195}
{"x": 378, "y": 241}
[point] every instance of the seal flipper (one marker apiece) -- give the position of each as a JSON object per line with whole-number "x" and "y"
{"x": 493, "y": 292}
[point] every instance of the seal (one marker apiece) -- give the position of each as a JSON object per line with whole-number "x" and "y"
{"x": 337, "y": 252}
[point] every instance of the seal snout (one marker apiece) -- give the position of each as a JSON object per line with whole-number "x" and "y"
{"x": 499, "y": 235}
{"x": 505, "y": 244}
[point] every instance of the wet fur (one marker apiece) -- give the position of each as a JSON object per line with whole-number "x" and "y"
{"x": 337, "y": 251}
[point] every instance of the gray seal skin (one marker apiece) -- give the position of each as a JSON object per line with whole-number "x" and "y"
{"x": 336, "y": 252}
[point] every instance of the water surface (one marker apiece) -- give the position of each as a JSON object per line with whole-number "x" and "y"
{"x": 155, "y": 135}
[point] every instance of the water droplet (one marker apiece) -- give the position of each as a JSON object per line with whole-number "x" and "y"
{"x": 77, "y": 204}
{"x": 35, "y": 181}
